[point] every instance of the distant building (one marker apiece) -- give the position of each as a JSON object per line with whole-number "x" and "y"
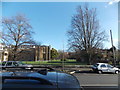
{"x": 28, "y": 53}
{"x": 100, "y": 55}
{"x": 3, "y": 52}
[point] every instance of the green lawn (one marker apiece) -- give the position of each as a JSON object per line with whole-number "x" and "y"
{"x": 54, "y": 62}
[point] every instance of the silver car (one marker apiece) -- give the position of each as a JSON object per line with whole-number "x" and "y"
{"x": 15, "y": 64}
{"x": 104, "y": 67}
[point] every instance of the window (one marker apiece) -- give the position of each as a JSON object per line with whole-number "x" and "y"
{"x": 15, "y": 64}
{"x": 96, "y": 65}
{"x": 3, "y": 64}
{"x": 109, "y": 66}
{"x": 5, "y": 54}
{"x": 20, "y": 63}
{"x": 103, "y": 66}
{"x": 9, "y": 64}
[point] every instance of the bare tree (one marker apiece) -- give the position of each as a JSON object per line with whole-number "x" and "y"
{"x": 85, "y": 34}
{"x": 16, "y": 32}
{"x": 118, "y": 52}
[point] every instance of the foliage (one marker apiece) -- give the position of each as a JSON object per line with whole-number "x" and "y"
{"x": 54, "y": 54}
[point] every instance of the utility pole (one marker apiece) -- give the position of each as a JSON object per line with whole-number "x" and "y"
{"x": 113, "y": 48}
{"x": 63, "y": 58}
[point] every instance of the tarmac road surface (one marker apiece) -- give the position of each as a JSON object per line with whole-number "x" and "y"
{"x": 92, "y": 81}
{"x": 100, "y": 88}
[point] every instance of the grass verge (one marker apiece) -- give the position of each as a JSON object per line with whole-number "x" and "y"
{"x": 54, "y": 62}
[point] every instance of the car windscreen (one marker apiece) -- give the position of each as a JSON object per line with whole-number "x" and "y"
{"x": 21, "y": 81}
{"x": 25, "y": 79}
{"x": 21, "y": 63}
{"x": 109, "y": 66}
{"x": 15, "y": 63}
{"x": 95, "y": 65}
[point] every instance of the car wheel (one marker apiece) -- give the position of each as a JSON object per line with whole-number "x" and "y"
{"x": 100, "y": 72}
{"x": 116, "y": 72}
{"x": 31, "y": 68}
{"x": 3, "y": 68}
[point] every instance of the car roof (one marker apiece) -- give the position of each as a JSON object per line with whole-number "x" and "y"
{"x": 101, "y": 63}
{"x": 11, "y": 61}
{"x": 50, "y": 76}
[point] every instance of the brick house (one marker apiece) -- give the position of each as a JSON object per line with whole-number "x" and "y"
{"x": 28, "y": 53}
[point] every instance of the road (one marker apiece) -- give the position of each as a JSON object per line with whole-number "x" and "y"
{"x": 97, "y": 79}
{"x": 92, "y": 81}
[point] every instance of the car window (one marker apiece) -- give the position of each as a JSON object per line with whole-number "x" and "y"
{"x": 9, "y": 63}
{"x": 109, "y": 66}
{"x": 103, "y": 66}
{"x": 20, "y": 63}
{"x": 3, "y": 63}
{"x": 21, "y": 81}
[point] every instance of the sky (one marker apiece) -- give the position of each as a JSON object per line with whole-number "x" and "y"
{"x": 52, "y": 20}
{"x": 119, "y": 22}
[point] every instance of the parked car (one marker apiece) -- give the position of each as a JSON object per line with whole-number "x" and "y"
{"x": 15, "y": 64}
{"x": 104, "y": 67}
{"x": 44, "y": 79}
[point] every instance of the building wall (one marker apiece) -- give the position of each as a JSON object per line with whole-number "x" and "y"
{"x": 42, "y": 53}
{"x": 26, "y": 55}
{"x": 1, "y": 56}
{"x": 33, "y": 53}
{"x": 3, "y": 53}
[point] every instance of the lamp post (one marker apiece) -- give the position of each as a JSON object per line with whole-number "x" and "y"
{"x": 63, "y": 57}
{"x": 113, "y": 48}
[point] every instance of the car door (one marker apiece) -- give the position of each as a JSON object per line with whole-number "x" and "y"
{"x": 110, "y": 68}
{"x": 104, "y": 68}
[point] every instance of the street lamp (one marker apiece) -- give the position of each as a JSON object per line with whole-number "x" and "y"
{"x": 113, "y": 48}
